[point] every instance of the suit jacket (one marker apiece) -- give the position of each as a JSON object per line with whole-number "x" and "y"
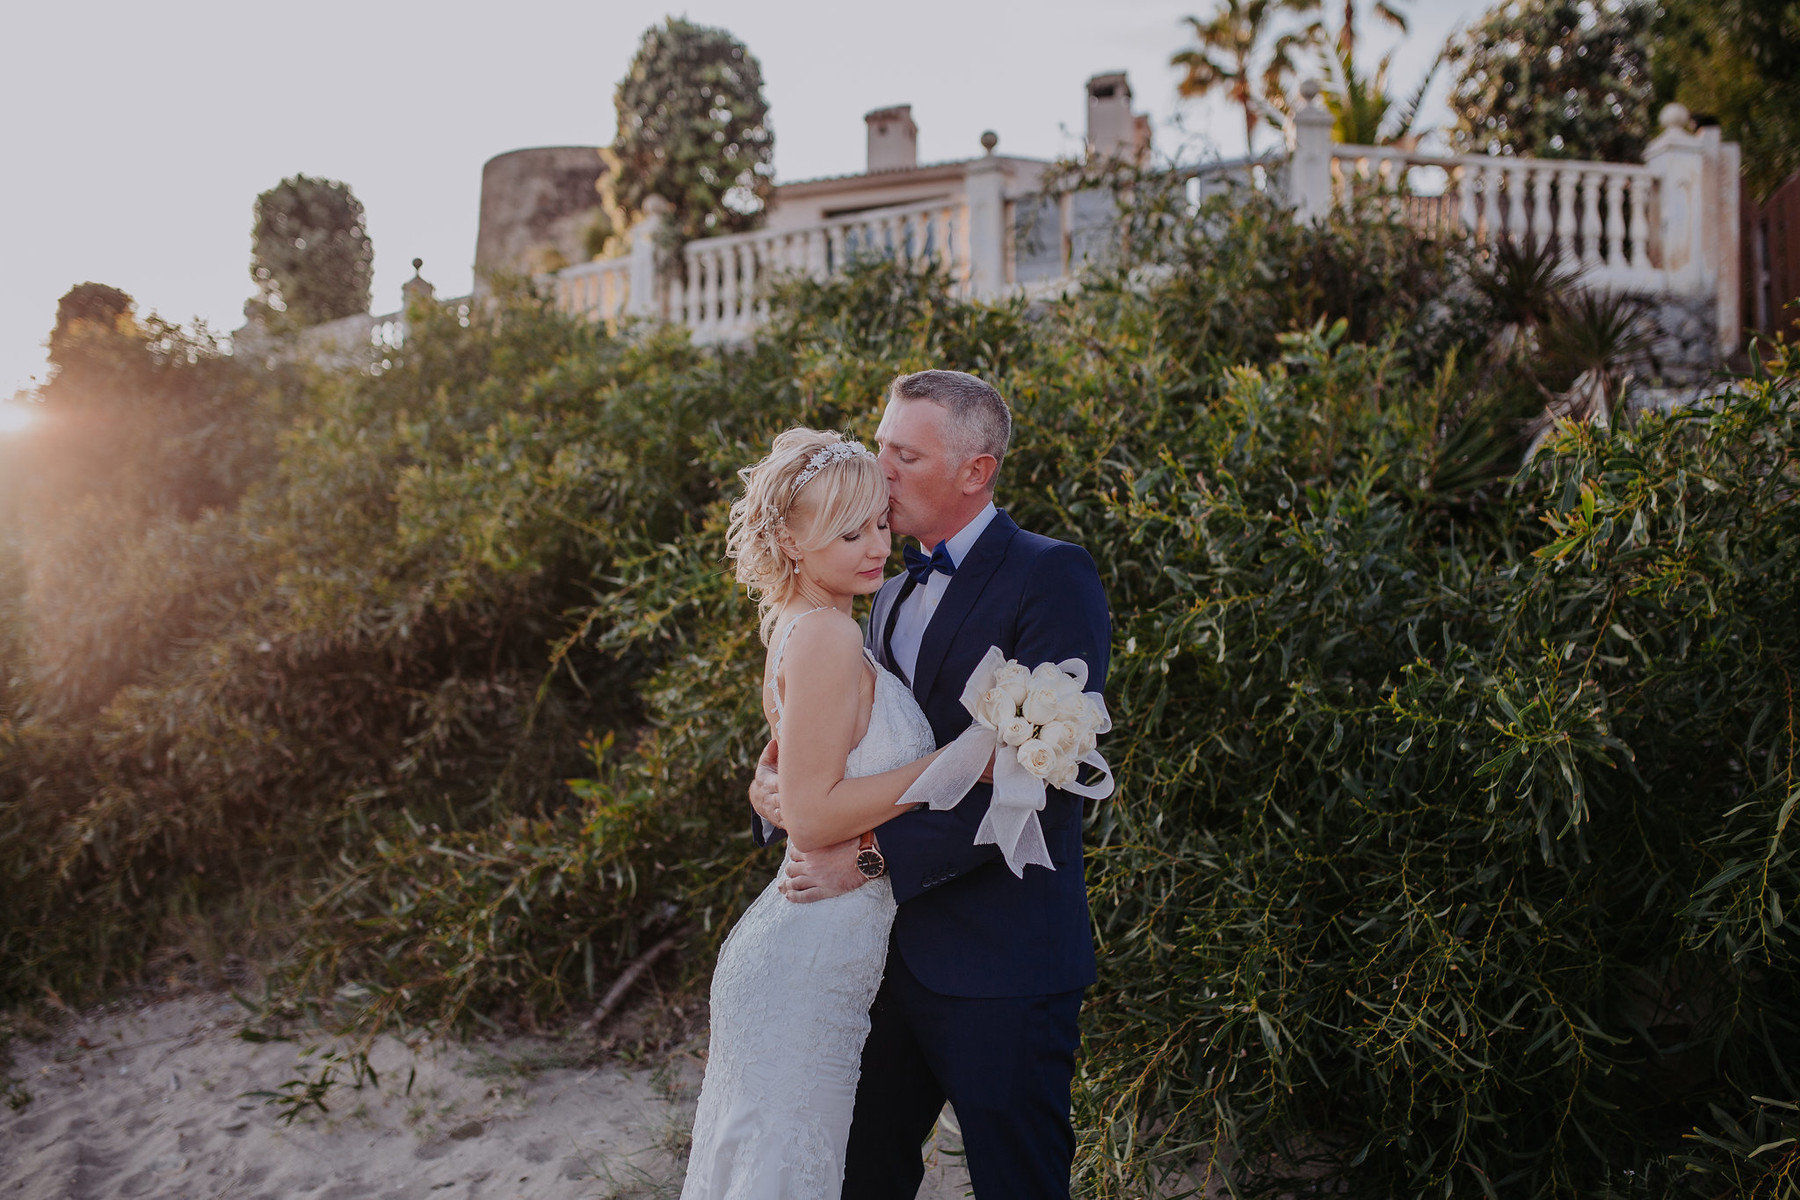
{"x": 967, "y": 926}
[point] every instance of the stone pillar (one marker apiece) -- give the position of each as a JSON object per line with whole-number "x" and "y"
{"x": 643, "y": 299}
{"x": 1728, "y": 180}
{"x": 1309, "y": 157}
{"x": 1677, "y": 159}
{"x": 416, "y": 290}
{"x": 985, "y": 188}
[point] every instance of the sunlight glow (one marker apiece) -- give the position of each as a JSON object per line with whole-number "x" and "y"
{"x": 15, "y": 418}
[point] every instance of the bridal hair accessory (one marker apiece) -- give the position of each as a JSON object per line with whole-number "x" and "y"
{"x": 1039, "y": 726}
{"x": 836, "y": 452}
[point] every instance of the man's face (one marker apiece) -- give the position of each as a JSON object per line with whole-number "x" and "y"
{"x": 922, "y": 467}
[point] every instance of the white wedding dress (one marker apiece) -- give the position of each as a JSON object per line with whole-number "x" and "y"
{"x": 790, "y": 1009}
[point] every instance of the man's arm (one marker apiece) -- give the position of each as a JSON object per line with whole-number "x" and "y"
{"x": 1062, "y": 615}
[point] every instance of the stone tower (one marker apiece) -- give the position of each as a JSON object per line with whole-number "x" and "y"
{"x": 535, "y": 207}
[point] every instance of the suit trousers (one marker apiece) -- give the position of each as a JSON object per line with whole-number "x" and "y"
{"x": 1004, "y": 1063}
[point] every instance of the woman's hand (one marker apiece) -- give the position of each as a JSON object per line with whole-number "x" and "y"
{"x": 765, "y": 786}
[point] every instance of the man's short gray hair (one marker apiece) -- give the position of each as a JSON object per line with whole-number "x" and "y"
{"x": 979, "y": 414}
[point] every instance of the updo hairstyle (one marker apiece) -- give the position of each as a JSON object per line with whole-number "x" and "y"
{"x": 779, "y": 512}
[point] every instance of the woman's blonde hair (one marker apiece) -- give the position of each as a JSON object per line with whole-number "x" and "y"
{"x": 814, "y": 485}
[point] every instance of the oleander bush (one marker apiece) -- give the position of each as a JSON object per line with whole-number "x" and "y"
{"x": 1449, "y": 853}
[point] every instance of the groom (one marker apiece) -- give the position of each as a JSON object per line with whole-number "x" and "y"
{"x": 985, "y": 970}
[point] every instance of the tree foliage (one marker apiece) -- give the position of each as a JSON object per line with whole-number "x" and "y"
{"x": 1364, "y": 112}
{"x": 1738, "y": 61}
{"x": 1555, "y": 79}
{"x": 87, "y": 311}
{"x": 310, "y": 253}
{"x": 1226, "y": 52}
{"x": 693, "y": 128}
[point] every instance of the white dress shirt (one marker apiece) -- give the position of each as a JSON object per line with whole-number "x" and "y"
{"x": 917, "y": 609}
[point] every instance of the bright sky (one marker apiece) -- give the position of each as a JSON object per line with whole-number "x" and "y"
{"x": 134, "y": 138}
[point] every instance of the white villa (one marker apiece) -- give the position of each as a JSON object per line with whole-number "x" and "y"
{"x": 1667, "y": 228}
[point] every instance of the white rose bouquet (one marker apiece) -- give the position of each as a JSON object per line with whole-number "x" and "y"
{"x": 1038, "y": 725}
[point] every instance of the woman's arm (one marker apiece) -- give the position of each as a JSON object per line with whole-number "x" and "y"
{"x": 819, "y": 709}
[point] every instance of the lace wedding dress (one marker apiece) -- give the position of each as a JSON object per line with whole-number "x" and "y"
{"x": 790, "y": 1009}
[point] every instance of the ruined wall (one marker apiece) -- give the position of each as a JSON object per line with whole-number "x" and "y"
{"x": 535, "y": 207}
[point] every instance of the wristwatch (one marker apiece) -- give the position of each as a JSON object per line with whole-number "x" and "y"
{"x": 868, "y": 858}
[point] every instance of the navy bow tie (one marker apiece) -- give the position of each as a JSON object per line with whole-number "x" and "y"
{"x": 920, "y": 567}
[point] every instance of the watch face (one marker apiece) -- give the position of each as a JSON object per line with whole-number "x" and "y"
{"x": 870, "y": 863}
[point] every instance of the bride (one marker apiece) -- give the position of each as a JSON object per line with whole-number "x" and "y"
{"x": 794, "y": 982}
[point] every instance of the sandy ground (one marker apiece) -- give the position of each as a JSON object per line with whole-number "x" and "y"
{"x": 150, "y": 1102}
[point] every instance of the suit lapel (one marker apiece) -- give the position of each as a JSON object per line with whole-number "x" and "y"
{"x": 896, "y": 599}
{"x": 972, "y": 575}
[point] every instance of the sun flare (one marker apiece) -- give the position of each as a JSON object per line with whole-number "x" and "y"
{"x": 15, "y": 418}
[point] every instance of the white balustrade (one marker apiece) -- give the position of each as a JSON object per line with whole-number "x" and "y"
{"x": 1646, "y": 228}
{"x": 598, "y": 290}
{"x": 1599, "y": 213}
{"x": 726, "y": 283}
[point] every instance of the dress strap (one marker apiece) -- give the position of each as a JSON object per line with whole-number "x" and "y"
{"x": 781, "y": 649}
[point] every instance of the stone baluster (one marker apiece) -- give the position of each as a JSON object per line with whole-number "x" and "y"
{"x": 1566, "y": 180}
{"x": 730, "y": 289}
{"x": 1590, "y": 218}
{"x": 675, "y": 299}
{"x": 834, "y": 249}
{"x": 1462, "y": 177}
{"x": 1541, "y": 228}
{"x": 1492, "y": 203}
{"x": 1640, "y": 223}
{"x": 1615, "y": 221}
{"x": 766, "y": 260}
{"x": 1515, "y": 203}
{"x": 709, "y": 304}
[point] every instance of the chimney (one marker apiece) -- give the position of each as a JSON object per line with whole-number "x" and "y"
{"x": 1113, "y": 130}
{"x": 893, "y": 139}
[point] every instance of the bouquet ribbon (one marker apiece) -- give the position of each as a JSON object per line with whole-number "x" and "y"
{"x": 1011, "y": 821}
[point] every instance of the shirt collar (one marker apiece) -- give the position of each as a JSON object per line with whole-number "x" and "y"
{"x": 963, "y": 540}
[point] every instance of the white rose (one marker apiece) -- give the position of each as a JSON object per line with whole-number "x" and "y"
{"x": 1014, "y": 679}
{"x": 1063, "y": 774}
{"x": 995, "y": 708}
{"x": 1084, "y": 744}
{"x": 1037, "y": 757}
{"x": 1076, "y": 710}
{"x": 1042, "y": 702}
{"x": 1016, "y": 731}
{"x": 1060, "y": 735}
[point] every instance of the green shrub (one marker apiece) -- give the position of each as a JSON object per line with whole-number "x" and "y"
{"x": 1449, "y": 847}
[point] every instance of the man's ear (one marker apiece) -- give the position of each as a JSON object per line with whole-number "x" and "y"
{"x": 978, "y": 474}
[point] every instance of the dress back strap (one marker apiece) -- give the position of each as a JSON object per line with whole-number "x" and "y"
{"x": 780, "y": 649}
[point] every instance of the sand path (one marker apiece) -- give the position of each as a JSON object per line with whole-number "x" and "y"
{"x": 149, "y": 1102}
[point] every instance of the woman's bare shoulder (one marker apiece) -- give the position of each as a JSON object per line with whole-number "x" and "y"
{"x": 825, "y": 634}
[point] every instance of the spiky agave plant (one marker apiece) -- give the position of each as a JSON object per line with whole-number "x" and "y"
{"x": 1595, "y": 340}
{"x": 1486, "y": 419}
{"x": 1525, "y": 282}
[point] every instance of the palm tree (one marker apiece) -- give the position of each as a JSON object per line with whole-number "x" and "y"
{"x": 1227, "y": 47}
{"x": 1346, "y": 37}
{"x": 1364, "y": 112}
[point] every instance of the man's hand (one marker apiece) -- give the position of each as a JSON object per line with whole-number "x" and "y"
{"x": 765, "y": 787}
{"x": 823, "y": 873}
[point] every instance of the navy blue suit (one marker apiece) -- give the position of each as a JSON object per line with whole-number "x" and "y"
{"x": 985, "y": 969}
